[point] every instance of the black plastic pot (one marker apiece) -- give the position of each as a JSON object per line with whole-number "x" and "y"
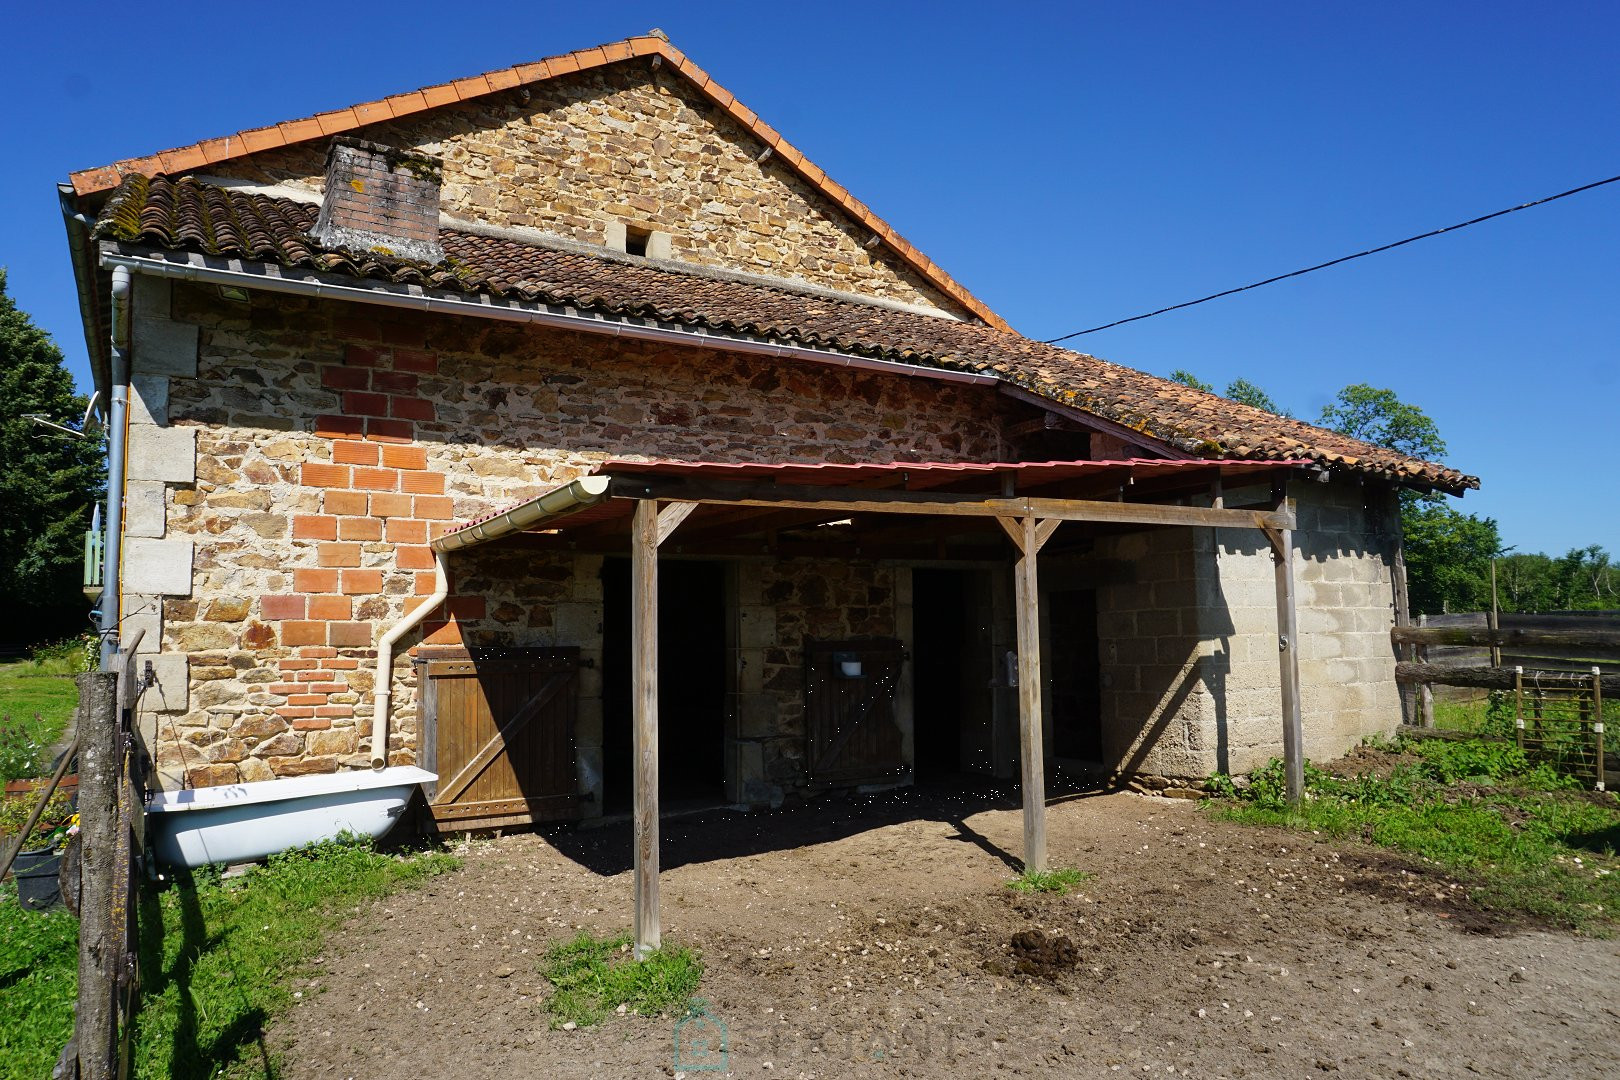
{"x": 38, "y": 886}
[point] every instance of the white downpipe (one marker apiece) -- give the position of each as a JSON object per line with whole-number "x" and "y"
{"x": 382, "y": 691}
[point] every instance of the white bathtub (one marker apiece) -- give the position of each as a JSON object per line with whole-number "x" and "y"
{"x": 237, "y": 822}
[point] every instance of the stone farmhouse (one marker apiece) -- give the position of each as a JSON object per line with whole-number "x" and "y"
{"x": 564, "y": 429}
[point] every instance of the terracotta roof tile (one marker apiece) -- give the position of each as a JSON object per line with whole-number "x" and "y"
{"x": 192, "y": 216}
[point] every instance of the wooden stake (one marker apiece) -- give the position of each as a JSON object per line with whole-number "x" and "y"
{"x": 1288, "y": 664}
{"x": 1496, "y": 619}
{"x": 644, "y": 536}
{"x": 95, "y": 1030}
{"x": 1425, "y": 691}
{"x": 1029, "y": 536}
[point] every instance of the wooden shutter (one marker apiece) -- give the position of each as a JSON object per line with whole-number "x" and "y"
{"x": 849, "y": 722}
{"x": 498, "y": 728}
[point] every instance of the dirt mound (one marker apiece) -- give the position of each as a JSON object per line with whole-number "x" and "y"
{"x": 1369, "y": 761}
{"x": 1046, "y": 956}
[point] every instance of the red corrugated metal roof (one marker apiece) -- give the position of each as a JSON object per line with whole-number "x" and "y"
{"x": 918, "y": 475}
{"x": 931, "y": 473}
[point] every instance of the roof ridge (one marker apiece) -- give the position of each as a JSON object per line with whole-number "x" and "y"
{"x": 337, "y": 121}
{"x": 162, "y": 213}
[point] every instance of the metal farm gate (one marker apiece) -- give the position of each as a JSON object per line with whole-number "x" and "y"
{"x": 498, "y": 728}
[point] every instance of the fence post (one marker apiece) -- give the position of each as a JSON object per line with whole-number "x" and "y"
{"x": 1597, "y": 718}
{"x": 1425, "y": 691}
{"x": 1518, "y": 706}
{"x": 95, "y": 1026}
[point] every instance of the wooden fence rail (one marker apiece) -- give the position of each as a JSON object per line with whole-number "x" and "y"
{"x": 1497, "y": 678}
{"x": 1543, "y": 660}
{"x": 1507, "y": 637}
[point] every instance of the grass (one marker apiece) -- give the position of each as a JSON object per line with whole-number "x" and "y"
{"x": 37, "y": 700}
{"x": 1523, "y": 840}
{"x": 594, "y": 977}
{"x": 39, "y": 977}
{"x": 217, "y": 960}
{"x": 1057, "y": 880}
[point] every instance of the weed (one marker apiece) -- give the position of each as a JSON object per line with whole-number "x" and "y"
{"x": 53, "y": 824}
{"x": 1525, "y": 842}
{"x": 217, "y": 956}
{"x": 1058, "y": 880}
{"x": 217, "y": 959}
{"x": 593, "y": 977}
{"x": 39, "y": 980}
{"x": 36, "y": 704}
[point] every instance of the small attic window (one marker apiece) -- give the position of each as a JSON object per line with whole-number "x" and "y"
{"x": 636, "y": 240}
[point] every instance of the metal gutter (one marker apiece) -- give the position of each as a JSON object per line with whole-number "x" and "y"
{"x": 117, "y": 422}
{"x": 582, "y": 494}
{"x": 217, "y": 271}
{"x": 78, "y": 225}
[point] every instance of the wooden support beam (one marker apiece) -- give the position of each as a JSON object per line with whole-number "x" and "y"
{"x": 862, "y": 500}
{"x": 1095, "y": 422}
{"x": 644, "y": 536}
{"x": 1288, "y": 663}
{"x": 670, "y": 518}
{"x": 1028, "y": 539}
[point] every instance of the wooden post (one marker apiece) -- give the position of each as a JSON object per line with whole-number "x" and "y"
{"x": 644, "y": 702}
{"x": 1425, "y": 691}
{"x": 1496, "y": 619}
{"x": 1028, "y": 534}
{"x": 95, "y": 1029}
{"x": 1288, "y": 662}
{"x": 1403, "y": 617}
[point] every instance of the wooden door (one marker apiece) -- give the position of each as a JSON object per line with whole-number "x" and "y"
{"x": 499, "y": 730}
{"x": 850, "y": 723}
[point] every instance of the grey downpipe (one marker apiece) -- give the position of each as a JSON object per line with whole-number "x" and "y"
{"x": 382, "y": 690}
{"x": 117, "y": 422}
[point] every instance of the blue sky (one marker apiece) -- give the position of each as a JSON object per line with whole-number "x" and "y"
{"x": 1071, "y": 164}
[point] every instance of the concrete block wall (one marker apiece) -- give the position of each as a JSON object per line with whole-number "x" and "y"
{"x": 1189, "y": 649}
{"x": 1344, "y": 594}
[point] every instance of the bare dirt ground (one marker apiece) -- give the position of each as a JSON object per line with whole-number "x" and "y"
{"x": 875, "y": 937}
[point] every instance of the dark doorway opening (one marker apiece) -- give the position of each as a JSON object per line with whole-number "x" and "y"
{"x": 1076, "y": 675}
{"x": 942, "y": 623}
{"x": 691, "y": 685}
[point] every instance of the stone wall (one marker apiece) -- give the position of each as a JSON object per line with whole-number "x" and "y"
{"x": 1189, "y": 647}
{"x": 292, "y": 459}
{"x": 578, "y": 154}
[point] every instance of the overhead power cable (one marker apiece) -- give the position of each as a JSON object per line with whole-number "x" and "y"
{"x": 1335, "y": 262}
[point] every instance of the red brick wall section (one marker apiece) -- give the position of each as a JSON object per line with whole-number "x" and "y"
{"x": 377, "y": 487}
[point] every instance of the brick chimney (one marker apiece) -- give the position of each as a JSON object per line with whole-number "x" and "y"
{"x": 382, "y": 200}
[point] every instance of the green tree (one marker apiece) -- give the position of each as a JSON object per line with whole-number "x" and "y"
{"x": 1246, "y": 392}
{"x": 1240, "y": 390}
{"x": 1379, "y": 417}
{"x": 48, "y": 483}
{"x": 1448, "y": 557}
{"x": 1448, "y": 553}
{"x": 1187, "y": 378}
